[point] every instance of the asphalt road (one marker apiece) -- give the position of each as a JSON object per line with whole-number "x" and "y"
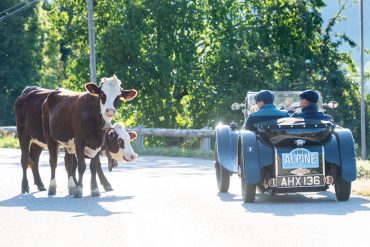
{"x": 161, "y": 201}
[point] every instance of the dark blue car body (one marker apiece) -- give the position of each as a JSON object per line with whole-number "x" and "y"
{"x": 285, "y": 156}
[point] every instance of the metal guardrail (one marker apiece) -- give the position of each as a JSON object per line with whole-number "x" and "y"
{"x": 205, "y": 134}
{"x": 6, "y": 130}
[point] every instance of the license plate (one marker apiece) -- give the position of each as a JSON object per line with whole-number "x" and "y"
{"x": 300, "y": 181}
{"x": 300, "y": 158}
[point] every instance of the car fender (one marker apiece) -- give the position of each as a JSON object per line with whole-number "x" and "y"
{"x": 250, "y": 156}
{"x": 346, "y": 147}
{"x": 332, "y": 154}
{"x": 266, "y": 154}
{"x": 227, "y": 147}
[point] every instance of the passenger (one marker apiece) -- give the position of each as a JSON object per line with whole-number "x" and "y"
{"x": 308, "y": 100}
{"x": 267, "y": 110}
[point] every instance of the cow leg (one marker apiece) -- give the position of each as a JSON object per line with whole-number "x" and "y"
{"x": 74, "y": 168}
{"x": 24, "y": 142}
{"x": 80, "y": 154}
{"x": 35, "y": 152}
{"x": 93, "y": 184}
{"x": 102, "y": 178}
{"x": 53, "y": 159}
{"x": 69, "y": 164}
{"x": 53, "y": 148}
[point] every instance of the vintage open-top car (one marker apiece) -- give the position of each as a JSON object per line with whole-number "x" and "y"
{"x": 285, "y": 155}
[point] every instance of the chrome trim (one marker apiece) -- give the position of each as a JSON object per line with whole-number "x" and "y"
{"x": 307, "y": 186}
{"x": 323, "y": 160}
{"x": 299, "y": 142}
{"x": 276, "y": 162}
{"x": 300, "y": 171}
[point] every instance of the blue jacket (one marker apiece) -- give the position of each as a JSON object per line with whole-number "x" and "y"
{"x": 311, "y": 112}
{"x": 267, "y": 112}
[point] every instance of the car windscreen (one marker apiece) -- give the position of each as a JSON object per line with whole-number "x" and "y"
{"x": 283, "y": 100}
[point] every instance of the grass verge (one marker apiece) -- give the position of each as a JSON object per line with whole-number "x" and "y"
{"x": 9, "y": 142}
{"x": 362, "y": 185}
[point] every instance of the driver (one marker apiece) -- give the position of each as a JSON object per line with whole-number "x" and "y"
{"x": 308, "y": 100}
{"x": 267, "y": 110}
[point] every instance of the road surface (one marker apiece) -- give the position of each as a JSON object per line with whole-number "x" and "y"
{"x": 162, "y": 201}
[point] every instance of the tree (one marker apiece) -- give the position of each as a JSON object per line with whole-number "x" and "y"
{"x": 191, "y": 59}
{"x": 27, "y": 55}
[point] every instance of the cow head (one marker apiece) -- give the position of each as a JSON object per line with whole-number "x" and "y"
{"x": 118, "y": 143}
{"x": 111, "y": 96}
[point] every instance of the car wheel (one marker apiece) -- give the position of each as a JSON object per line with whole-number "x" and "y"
{"x": 248, "y": 190}
{"x": 342, "y": 187}
{"x": 222, "y": 175}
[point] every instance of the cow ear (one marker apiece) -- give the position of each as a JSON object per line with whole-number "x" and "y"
{"x": 132, "y": 135}
{"x": 92, "y": 88}
{"x": 127, "y": 95}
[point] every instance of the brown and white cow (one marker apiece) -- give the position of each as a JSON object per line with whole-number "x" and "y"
{"x": 76, "y": 120}
{"x": 111, "y": 96}
{"x": 27, "y": 110}
{"x": 116, "y": 146}
{"x": 31, "y": 138}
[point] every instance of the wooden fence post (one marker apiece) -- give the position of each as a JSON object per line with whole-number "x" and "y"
{"x": 139, "y": 144}
{"x": 205, "y": 143}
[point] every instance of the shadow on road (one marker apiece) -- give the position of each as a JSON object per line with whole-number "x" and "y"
{"x": 86, "y": 206}
{"x": 228, "y": 197}
{"x": 299, "y": 204}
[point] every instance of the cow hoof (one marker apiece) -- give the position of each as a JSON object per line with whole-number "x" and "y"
{"x": 108, "y": 188}
{"x": 25, "y": 187}
{"x": 71, "y": 186}
{"x": 78, "y": 192}
{"x": 41, "y": 188}
{"x": 52, "y": 187}
{"x": 52, "y": 191}
{"x": 95, "y": 192}
{"x": 25, "y": 190}
{"x": 71, "y": 191}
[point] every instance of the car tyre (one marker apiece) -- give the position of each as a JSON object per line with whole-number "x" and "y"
{"x": 248, "y": 190}
{"x": 222, "y": 175}
{"x": 342, "y": 188}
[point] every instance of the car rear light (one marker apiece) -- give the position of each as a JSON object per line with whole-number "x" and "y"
{"x": 329, "y": 179}
{"x": 272, "y": 182}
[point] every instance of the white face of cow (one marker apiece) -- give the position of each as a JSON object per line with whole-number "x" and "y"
{"x": 119, "y": 140}
{"x": 111, "y": 96}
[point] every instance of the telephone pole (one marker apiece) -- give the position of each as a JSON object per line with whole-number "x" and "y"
{"x": 90, "y": 12}
{"x": 363, "y": 137}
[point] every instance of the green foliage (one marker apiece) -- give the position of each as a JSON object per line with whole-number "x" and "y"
{"x": 29, "y": 55}
{"x": 18, "y": 62}
{"x": 9, "y": 142}
{"x": 188, "y": 59}
{"x": 363, "y": 169}
{"x": 363, "y": 173}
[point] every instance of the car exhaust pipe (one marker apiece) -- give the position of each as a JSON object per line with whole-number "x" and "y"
{"x": 272, "y": 182}
{"x": 329, "y": 180}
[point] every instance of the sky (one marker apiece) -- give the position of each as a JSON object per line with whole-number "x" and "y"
{"x": 351, "y": 27}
